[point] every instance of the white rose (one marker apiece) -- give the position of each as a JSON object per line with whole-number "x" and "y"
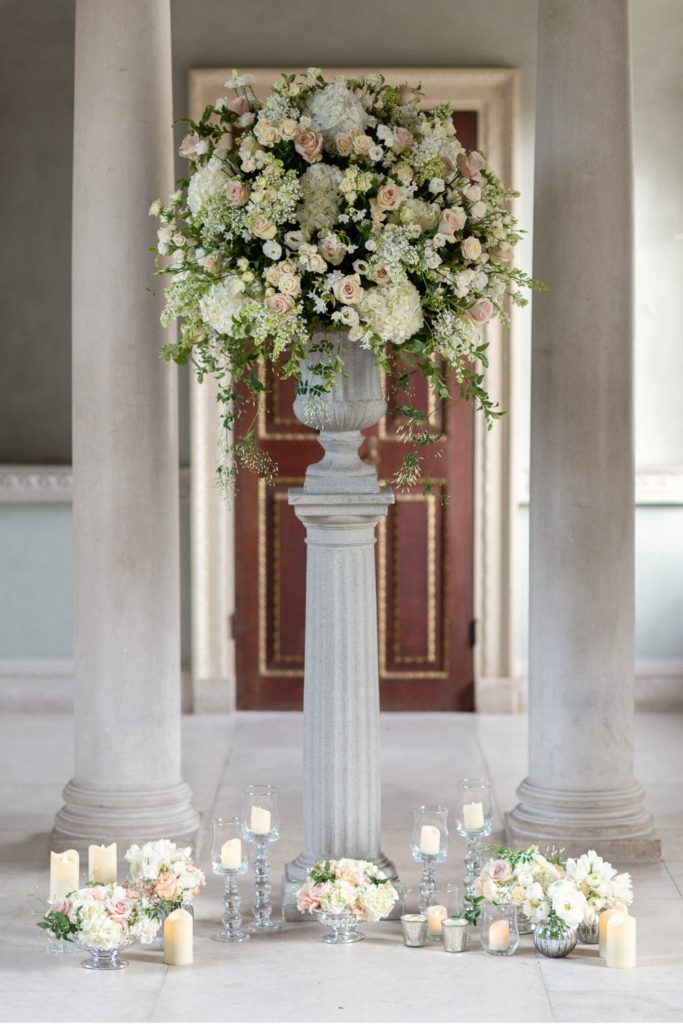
{"x": 436, "y": 185}
{"x": 471, "y": 248}
{"x": 289, "y": 284}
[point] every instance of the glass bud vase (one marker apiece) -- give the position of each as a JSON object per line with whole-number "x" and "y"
{"x": 554, "y": 939}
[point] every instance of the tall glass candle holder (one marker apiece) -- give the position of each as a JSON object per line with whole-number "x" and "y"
{"x": 228, "y": 859}
{"x": 429, "y": 846}
{"x": 260, "y": 827}
{"x": 473, "y": 819}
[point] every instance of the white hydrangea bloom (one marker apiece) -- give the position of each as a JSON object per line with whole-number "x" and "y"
{"x": 223, "y": 303}
{"x": 336, "y": 110}
{"x": 393, "y": 311}
{"x": 206, "y": 182}
{"x": 320, "y": 193}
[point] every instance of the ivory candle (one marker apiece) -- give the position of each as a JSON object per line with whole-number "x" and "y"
{"x": 231, "y": 854}
{"x": 102, "y": 864}
{"x": 473, "y": 816}
{"x": 621, "y": 941}
{"x": 178, "y": 938}
{"x": 618, "y": 908}
{"x": 260, "y": 821}
{"x": 435, "y": 915}
{"x": 499, "y": 934}
{"x": 430, "y": 840}
{"x": 63, "y": 873}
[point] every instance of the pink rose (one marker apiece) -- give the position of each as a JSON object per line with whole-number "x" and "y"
{"x": 499, "y": 870}
{"x": 239, "y": 105}
{"x": 389, "y": 197}
{"x": 308, "y": 901}
{"x": 344, "y": 144}
{"x": 362, "y": 144}
{"x": 348, "y": 290}
{"x": 120, "y": 910}
{"x": 403, "y": 139}
{"x": 188, "y": 147}
{"x": 279, "y": 303}
{"x": 263, "y": 228}
{"x": 98, "y": 892}
{"x": 470, "y": 164}
{"x": 238, "y": 193}
{"x": 332, "y": 249}
{"x": 452, "y": 220}
{"x": 309, "y": 145}
{"x": 166, "y": 885}
{"x": 381, "y": 276}
{"x": 481, "y": 311}
{"x": 59, "y": 906}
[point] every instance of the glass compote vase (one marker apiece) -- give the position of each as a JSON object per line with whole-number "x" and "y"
{"x": 228, "y": 859}
{"x": 429, "y": 846}
{"x": 473, "y": 820}
{"x": 498, "y": 929}
{"x": 105, "y": 959}
{"x": 260, "y": 827}
{"x": 343, "y": 927}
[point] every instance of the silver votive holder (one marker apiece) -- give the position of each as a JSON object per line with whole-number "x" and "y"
{"x": 454, "y": 934}
{"x": 414, "y": 929}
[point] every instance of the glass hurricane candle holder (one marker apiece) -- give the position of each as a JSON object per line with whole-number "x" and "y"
{"x": 228, "y": 859}
{"x": 429, "y": 846}
{"x": 473, "y": 820}
{"x": 498, "y": 924}
{"x": 260, "y": 827}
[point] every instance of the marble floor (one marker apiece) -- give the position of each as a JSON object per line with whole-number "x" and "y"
{"x": 293, "y": 976}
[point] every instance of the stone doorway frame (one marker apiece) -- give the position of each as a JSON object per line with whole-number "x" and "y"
{"x": 494, "y": 94}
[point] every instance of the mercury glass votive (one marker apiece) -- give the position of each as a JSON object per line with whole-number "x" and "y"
{"x": 414, "y": 929}
{"x": 454, "y": 934}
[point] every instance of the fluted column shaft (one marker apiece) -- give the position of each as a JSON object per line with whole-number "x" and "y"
{"x": 580, "y": 790}
{"x": 127, "y": 781}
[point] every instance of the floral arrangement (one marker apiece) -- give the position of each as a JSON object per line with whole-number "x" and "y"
{"x": 334, "y": 206}
{"x": 546, "y": 888}
{"x": 163, "y": 877}
{"x": 101, "y": 917}
{"x": 347, "y": 886}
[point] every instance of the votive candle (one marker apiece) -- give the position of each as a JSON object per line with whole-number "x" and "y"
{"x": 231, "y": 854}
{"x": 473, "y": 816}
{"x": 499, "y": 934}
{"x": 430, "y": 840}
{"x": 435, "y": 916}
{"x": 260, "y": 820}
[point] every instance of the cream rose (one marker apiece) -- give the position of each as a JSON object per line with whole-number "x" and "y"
{"x": 288, "y": 129}
{"x": 289, "y": 284}
{"x": 348, "y": 290}
{"x": 279, "y": 303}
{"x": 389, "y": 197}
{"x": 344, "y": 144}
{"x": 452, "y": 220}
{"x": 470, "y": 164}
{"x": 471, "y": 248}
{"x": 212, "y": 262}
{"x": 263, "y": 228}
{"x": 309, "y": 145}
{"x": 238, "y": 193}
{"x": 362, "y": 144}
{"x": 481, "y": 311}
{"x": 266, "y": 132}
{"x": 332, "y": 249}
{"x": 403, "y": 139}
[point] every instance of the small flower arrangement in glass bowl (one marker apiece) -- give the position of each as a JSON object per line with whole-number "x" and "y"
{"x": 164, "y": 878}
{"x": 343, "y": 892}
{"x": 103, "y": 920}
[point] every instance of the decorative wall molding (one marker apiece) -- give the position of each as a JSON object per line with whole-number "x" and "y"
{"x": 655, "y": 485}
{"x": 44, "y": 485}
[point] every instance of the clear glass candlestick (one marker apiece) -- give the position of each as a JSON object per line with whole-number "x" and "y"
{"x": 429, "y": 846}
{"x": 473, "y": 821}
{"x": 260, "y": 827}
{"x": 228, "y": 859}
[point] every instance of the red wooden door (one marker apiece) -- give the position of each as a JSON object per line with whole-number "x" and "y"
{"x": 424, "y": 557}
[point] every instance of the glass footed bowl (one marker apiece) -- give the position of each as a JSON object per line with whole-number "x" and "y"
{"x": 343, "y": 927}
{"x": 105, "y": 959}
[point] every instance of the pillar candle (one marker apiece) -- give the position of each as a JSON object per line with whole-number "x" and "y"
{"x": 621, "y": 941}
{"x": 473, "y": 816}
{"x": 63, "y": 873}
{"x": 605, "y": 916}
{"x": 260, "y": 821}
{"x": 499, "y": 934}
{"x": 178, "y": 938}
{"x": 102, "y": 864}
{"x": 435, "y": 916}
{"x": 430, "y": 840}
{"x": 231, "y": 854}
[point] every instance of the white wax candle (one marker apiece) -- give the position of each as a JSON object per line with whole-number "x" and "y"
{"x": 178, "y": 938}
{"x": 102, "y": 864}
{"x": 260, "y": 821}
{"x": 430, "y": 840}
{"x": 473, "y": 816}
{"x": 499, "y": 934}
{"x": 435, "y": 916}
{"x": 621, "y": 941}
{"x": 231, "y": 854}
{"x": 618, "y": 908}
{"x": 63, "y": 873}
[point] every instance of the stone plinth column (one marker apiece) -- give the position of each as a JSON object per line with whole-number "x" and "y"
{"x": 580, "y": 791}
{"x": 127, "y": 782}
{"x": 340, "y": 504}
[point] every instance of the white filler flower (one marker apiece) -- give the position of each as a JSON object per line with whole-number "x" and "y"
{"x": 393, "y": 311}
{"x": 222, "y": 304}
{"x": 335, "y": 110}
{"x": 205, "y": 183}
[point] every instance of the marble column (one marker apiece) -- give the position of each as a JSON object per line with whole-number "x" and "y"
{"x": 580, "y": 791}
{"x": 127, "y": 782}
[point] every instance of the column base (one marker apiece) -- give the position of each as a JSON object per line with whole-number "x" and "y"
{"x": 613, "y": 822}
{"x": 92, "y": 814}
{"x": 295, "y": 876}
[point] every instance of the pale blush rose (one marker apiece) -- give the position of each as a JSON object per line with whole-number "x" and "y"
{"x": 166, "y": 885}
{"x": 348, "y": 290}
{"x": 479, "y": 209}
{"x": 289, "y": 284}
{"x": 239, "y": 105}
{"x": 263, "y": 228}
{"x": 452, "y": 220}
{"x": 238, "y": 193}
{"x": 470, "y": 164}
{"x": 97, "y": 892}
{"x": 188, "y": 147}
{"x": 309, "y": 145}
{"x": 224, "y": 143}
{"x": 403, "y": 139}
{"x": 308, "y": 901}
{"x": 362, "y": 144}
{"x": 248, "y": 146}
{"x": 212, "y": 262}
{"x": 471, "y": 248}
{"x": 389, "y": 197}
{"x": 499, "y": 870}
{"x": 332, "y": 250}
{"x": 481, "y": 311}
{"x": 59, "y": 906}
{"x": 279, "y": 303}
{"x": 120, "y": 910}
{"x": 288, "y": 129}
{"x": 503, "y": 253}
{"x": 381, "y": 276}
{"x": 344, "y": 144}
